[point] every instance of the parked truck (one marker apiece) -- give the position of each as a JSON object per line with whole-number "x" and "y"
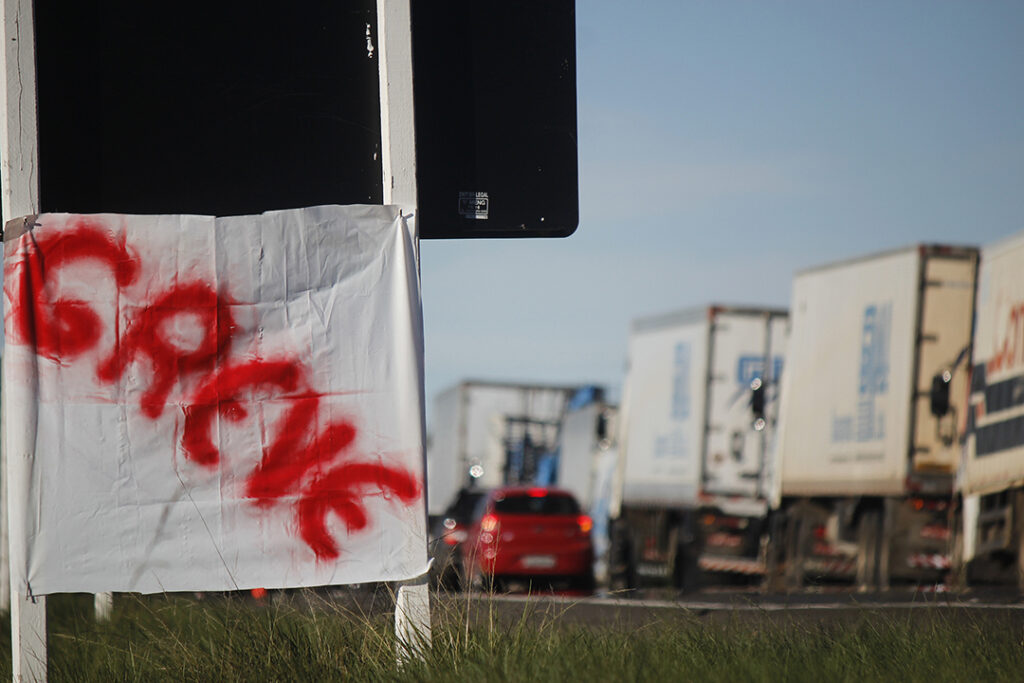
{"x": 989, "y": 543}
{"x": 483, "y": 435}
{"x": 696, "y": 427}
{"x": 587, "y": 463}
{"x": 587, "y": 434}
{"x": 486, "y": 434}
{"x": 869, "y": 438}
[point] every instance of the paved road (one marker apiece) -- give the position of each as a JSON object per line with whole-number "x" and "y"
{"x": 643, "y": 610}
{"x": 652, "y": 607}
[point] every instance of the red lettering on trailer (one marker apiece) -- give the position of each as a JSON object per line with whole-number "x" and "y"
{"x": 1009, "y": 353}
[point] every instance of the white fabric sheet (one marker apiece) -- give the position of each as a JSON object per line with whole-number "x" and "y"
{"x": 198, "y": 403}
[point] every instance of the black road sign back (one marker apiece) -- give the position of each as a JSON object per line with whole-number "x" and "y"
{"x": 229, "y": 108}
{"x": 207, "y": 107}
{"x": 495, "y": 97}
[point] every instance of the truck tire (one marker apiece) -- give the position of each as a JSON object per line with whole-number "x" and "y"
{"x": 621, "y": 564}
{"x": 686, "y": 574}
{"x": 869, "y": 538}
{"x": 773, "y": 545}
{"x": 956, "y": 579}
{"x": 797, "y": 539}
{"x": 1018, "y": 535}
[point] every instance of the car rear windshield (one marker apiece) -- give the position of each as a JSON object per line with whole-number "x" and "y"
{"x": 536, "y": 505}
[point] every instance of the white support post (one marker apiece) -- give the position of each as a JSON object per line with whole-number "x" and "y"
{"x": 412, "y": 618}
{"x": 398, "y": 165}
{"x": 28, "y": 638}
{"x": 19, "y": 168}
{"x": 397, "y": 125}
{"x": 103, "y": 606}
{"x": 5, "y": 541}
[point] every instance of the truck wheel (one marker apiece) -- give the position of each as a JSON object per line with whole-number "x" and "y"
{"x": 686, "y": 570}
{"x": 773, "y": 549}
{"x": 1018, "y": 537}
{"x": 621, "y": 568}
{"x": 868, "y": 538}
{"x": 798, "y": 530}
{"x": 956, "y": 579}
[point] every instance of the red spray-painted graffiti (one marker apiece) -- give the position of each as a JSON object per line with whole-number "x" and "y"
{"x": 1010, "y": 353}
{"x": 316, "y": 467}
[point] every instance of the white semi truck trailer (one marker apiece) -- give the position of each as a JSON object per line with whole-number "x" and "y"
{"x": 695, "y": 437}
{"x": 990, "y": 519}
{"x": 870, "y": 434}
{"x": 587, "y": 465}
{"x": 484, "y": 434}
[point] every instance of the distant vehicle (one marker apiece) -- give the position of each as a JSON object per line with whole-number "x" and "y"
{"x": 875, "y": 387}
{"x": 587, "y": 464}
{"x": 695, "y": 437}
{"x": 447, "y": 534}
{"x": 989, "y": 532}
{"x": 530, "y": 536}
{"x": 487, "y": 434}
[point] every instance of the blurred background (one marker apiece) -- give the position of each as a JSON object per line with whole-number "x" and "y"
{"x": 724, "y": 146}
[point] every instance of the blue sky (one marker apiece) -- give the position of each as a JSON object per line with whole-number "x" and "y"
{"x": 724, "y": 145}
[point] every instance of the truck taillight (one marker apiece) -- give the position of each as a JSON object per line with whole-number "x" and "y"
{"x": 586, "y": 524}
{"x": 489, "y": 523}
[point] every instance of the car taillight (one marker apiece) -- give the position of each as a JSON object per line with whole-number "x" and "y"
{"x": 489, "y": 523}
{"x": 586, "y": 524}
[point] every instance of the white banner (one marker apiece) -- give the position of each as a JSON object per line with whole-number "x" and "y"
{"x": 198, "y": 403}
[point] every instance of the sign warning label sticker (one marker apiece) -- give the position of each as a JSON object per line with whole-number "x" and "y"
{"x": 473, "y": 205}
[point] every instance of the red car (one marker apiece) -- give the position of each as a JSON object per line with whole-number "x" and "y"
{"x": 529, "y": 535}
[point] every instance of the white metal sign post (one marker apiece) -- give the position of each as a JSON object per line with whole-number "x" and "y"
{"x": 20, "y": 188}
{"x": 19, "y": 154}
{"x": 398, "y": 163}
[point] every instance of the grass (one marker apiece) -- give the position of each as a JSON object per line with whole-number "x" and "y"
{"x": 306, "y": 637}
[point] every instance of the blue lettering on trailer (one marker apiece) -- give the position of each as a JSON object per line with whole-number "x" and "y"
{"x": 671, "y": 446}
{"x": 868, "y": 423}
{"x": 681, "y": 382}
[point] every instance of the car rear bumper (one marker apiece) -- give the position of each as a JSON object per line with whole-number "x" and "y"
{"x": 538, "y": 562}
